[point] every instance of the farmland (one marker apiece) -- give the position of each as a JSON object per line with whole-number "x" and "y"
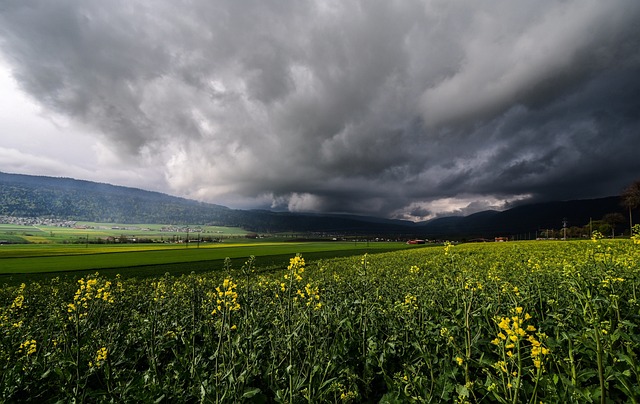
{"x": 23, "y": 261}
{"x": 92, "y": 233}
{"x": 142, "y": 250}
{"x": 546, "y": 321}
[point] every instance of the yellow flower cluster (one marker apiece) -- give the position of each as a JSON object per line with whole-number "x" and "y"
{"x": 29, "y": 347}
{"x": 348, "y": 396}
{"x": 16, "y": 305}
{"x": 508, "y": 288}
{"x": 101, "y": 358}
{"x": 473, "y": 286}
{"x": 534, "y": 265}
{"x": 635, "y": 234}
{"x": 311, "y": 295}
{"x": 19, "y": 299}
{"x": 447, "y": 247}
{"x": 159, "y": 290}
{"x": 444, "y": 332}
{"x": 227, "y": 298}
{"x": 410, "y": 302}
{"x": 414, "y": 269}
{"x": 611, "y": 281}
{"x": 501, "y": 365}
{"x": 537, "y": 351}
{"x": 513, "y": 331}
{"x": 596, "y": 236}
{"x": 90, "y": 289}
{"x": 295, "y": 268}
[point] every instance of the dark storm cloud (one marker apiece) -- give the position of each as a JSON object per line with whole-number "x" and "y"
{"x": 371, "y": 107}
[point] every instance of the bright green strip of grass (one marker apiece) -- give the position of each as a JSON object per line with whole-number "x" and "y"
{"x": 37, "y": 250}
{"x": 263, "y": 263}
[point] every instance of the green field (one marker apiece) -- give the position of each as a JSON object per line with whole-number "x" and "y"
{"x": 515, "y": 322}
{"x": 91, "y": 232}
{"x": 156, "y": 259}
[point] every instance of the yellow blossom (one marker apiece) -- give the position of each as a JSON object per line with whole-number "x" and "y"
{"x": 227, "y": 297}
{"x": 100, "y": 358}
{"x": 29, "y": 346}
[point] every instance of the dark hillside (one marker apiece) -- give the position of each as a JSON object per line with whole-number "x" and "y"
{"x": 526, "y": 218}
{"x": 65, "y": 198}
{"x": 69, "y": 199}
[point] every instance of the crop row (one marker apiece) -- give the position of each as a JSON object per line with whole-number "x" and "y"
{"x": 498, "y": 322}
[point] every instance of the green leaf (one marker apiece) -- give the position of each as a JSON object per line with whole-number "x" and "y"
{"x": 462, "y": 390}
{"x": 250, "y": 392}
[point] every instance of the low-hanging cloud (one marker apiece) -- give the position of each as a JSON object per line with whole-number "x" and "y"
{"x": 379, "y": 107}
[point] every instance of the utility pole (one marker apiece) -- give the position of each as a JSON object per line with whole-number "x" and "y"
{"x": 564, "y": 228}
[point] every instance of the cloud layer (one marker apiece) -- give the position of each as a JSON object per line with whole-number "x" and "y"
{"x": 392, "y": 108}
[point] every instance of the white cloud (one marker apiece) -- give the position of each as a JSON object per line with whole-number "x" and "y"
{"x": 303, "y": 203}
{"x": 459, "y": 206}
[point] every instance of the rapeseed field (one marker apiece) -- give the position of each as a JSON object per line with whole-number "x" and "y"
{"x": 515, "y": 322}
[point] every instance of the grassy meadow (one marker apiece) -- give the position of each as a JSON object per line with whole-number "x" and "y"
{"x": 92, "y": 232}
{"x": 141, "y": 260}
{"x": 545, "y": 321}
{"x": 35, "y": 252}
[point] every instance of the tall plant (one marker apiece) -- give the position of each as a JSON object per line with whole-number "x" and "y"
{"x": 631, "y": 200}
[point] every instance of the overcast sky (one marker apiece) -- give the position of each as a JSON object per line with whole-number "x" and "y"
{"x": 405, "y": 109}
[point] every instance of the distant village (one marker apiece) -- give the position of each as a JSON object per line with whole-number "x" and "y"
{"x": 39, "y": 221}
{"x": 36, "y": 221}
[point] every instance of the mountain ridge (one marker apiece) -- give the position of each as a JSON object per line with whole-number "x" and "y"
{"x": 70, "y": 199}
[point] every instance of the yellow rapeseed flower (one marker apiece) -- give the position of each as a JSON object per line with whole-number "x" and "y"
{"x": 88, "y": 290}
{"x": 17, "y": 302}
{"x": 227, "y": 297}
{"x": 100, "y": 358}
{"x": 296, "y": 267}
{"x": 29, "y": 346}
{"x": 501, "y": 365}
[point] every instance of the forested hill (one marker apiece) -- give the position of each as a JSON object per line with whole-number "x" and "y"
{"x": 69, "y": 199}
{"x": 65, "y": 198}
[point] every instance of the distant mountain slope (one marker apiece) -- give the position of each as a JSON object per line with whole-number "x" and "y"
{"x": 266, "y": 221}
{"x": 69, "y": 199}
{"x": 31, "y": 196}
{"x": 526, "y": 218}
